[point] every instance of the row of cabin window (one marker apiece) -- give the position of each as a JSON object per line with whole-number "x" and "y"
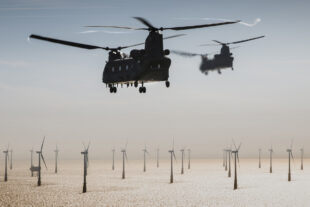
{"x": 127, "y": 67}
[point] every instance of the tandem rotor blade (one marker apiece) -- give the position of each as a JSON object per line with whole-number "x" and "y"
{"x": 43, "y": 159}
{"x": 150, "y": 27}
{"x": 246, "y": 40}
{"x": 185, "y": 54}
{"x": 199, "y": 26}
{"x": 68, "y": 43}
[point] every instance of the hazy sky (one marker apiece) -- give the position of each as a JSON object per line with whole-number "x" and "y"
{"x": 56, "y": 91}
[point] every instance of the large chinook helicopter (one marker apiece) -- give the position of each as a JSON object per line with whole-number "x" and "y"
{"x": 219, "y": 61}
{"x": 141, "y": 66}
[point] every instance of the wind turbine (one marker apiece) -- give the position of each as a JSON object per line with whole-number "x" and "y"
{"x": 172, "y": 156}
{"x": 229, "y": 151}
{"x": 302, "y": 158}
{"x": 31, "y": 162}
{"x": 189, "y": 159}
{"x": 182, "y": 166}
{"x": 124, "y": 157}
{"x": 6, "y": 152}
{"x": 225, "y": 159}
{"x": 144, "y": 158}
{"x": 157, "y": 158}
{"x": 56, "y": 159}
{"x": 113, "y": 158}
{"x": 259, "y": 158}
{"x": 236, "y": 152}
{"x": 271, "y": 151}
{"x": 40, "y": 155}
{"x": 290, "y": 155}
{"x": 11, "y": 159}
{"x": 85, "y": 165}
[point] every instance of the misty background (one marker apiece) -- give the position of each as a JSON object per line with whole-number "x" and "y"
{"x": 57, "y": 91}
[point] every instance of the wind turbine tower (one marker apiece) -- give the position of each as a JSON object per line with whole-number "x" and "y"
{"x": 144, "y": 158}
{"x": 6, "y": 152}
{"x": 56, "y": 159}
{"x": 302, "y": 158}
{"x": 189, "y": 159}
{"x": 182, "y": 166}
{"x": 259, "y": 158}
{"x": 85, "y": 166}
{"x": 236, "y": 153}
{"x": 113, "y": 158}
{"x": 124, "y": 157}
{"x": 271, "y": 151}
{"x": 40, "y": 155}
{"x": 172, "y": 155}
{"x": 11, "y": 159}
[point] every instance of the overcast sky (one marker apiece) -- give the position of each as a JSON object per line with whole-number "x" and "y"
{"x": 56, "y": 91}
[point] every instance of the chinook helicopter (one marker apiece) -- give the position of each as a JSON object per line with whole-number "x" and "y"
{"x": 146, "y": 65}
{"x": 219, "y": 61}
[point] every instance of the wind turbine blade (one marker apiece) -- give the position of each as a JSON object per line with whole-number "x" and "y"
{"x": 234, "y": 144}
{"x": 239, "y": 146}
{"x": 42, "y": 144}
{"x": 43, "y": 159}
{"x": 88, "y": 146}
{"x": 84, "y": 146}
{"x": 292, "y": 144}
{"x": 237, "y": 154}
{"x": 173, "y": 143}
{"x": 126, "y": 144}
{"x": 126, "y": 156}
{"x": 174, "y": 156}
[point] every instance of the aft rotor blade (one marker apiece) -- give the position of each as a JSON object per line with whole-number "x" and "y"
{"x": 43, "y": 159}
{"x": 145, "y": 22}
{"x": 185, "y": 54}
{"x": 42, "y": 144}
{"x": 237, "y": 42}
{"x": 68, "y": 43}
{"x": 199, "y": 26}
{"x": 174, "y": 36}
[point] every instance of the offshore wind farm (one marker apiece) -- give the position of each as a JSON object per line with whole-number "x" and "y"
{"x": 154, "y": 103}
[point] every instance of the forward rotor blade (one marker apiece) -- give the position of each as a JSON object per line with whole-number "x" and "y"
{"x": 185, "y": 54}
{"x": 68, "y": 43}
{"x": 199, "y": 26}
{"x": 117, "y": 27}
{"x": 237, "y": 42}
{"x": 221, "y": 43}
{"x": 145, "y": 22}
{"x": 42, "y": 144}
{"x": 43, "y": 159}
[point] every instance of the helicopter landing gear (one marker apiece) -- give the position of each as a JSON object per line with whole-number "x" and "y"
{"x": 232, "y": 68}
{"x": 142, "y": 89}
{"x": 113, "y": 89}
{"x": 167, "y": 84}
{"x": 136, "y": 84}
{"x": 219, "y": 71}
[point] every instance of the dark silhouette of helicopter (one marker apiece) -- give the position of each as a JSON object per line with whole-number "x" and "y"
{"x": 141, "y": 66}
{"x": 219, "y": 61}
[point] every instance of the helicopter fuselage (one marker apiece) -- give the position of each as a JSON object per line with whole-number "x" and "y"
{"x": 219, "y": 62}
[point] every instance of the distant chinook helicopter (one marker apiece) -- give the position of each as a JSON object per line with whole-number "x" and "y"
{"x": 141, "y": 66}
{"x": 220, "y": 61}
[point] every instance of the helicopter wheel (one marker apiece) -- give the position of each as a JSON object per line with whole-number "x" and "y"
{"x": 113, "y": 90}
{"x": 142, "y": 89}
{"x": 167, "y": 84}
{"x": 232, "y": 68}
{"x": 219, "y": 72}
{"x": 136, "y": 84}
